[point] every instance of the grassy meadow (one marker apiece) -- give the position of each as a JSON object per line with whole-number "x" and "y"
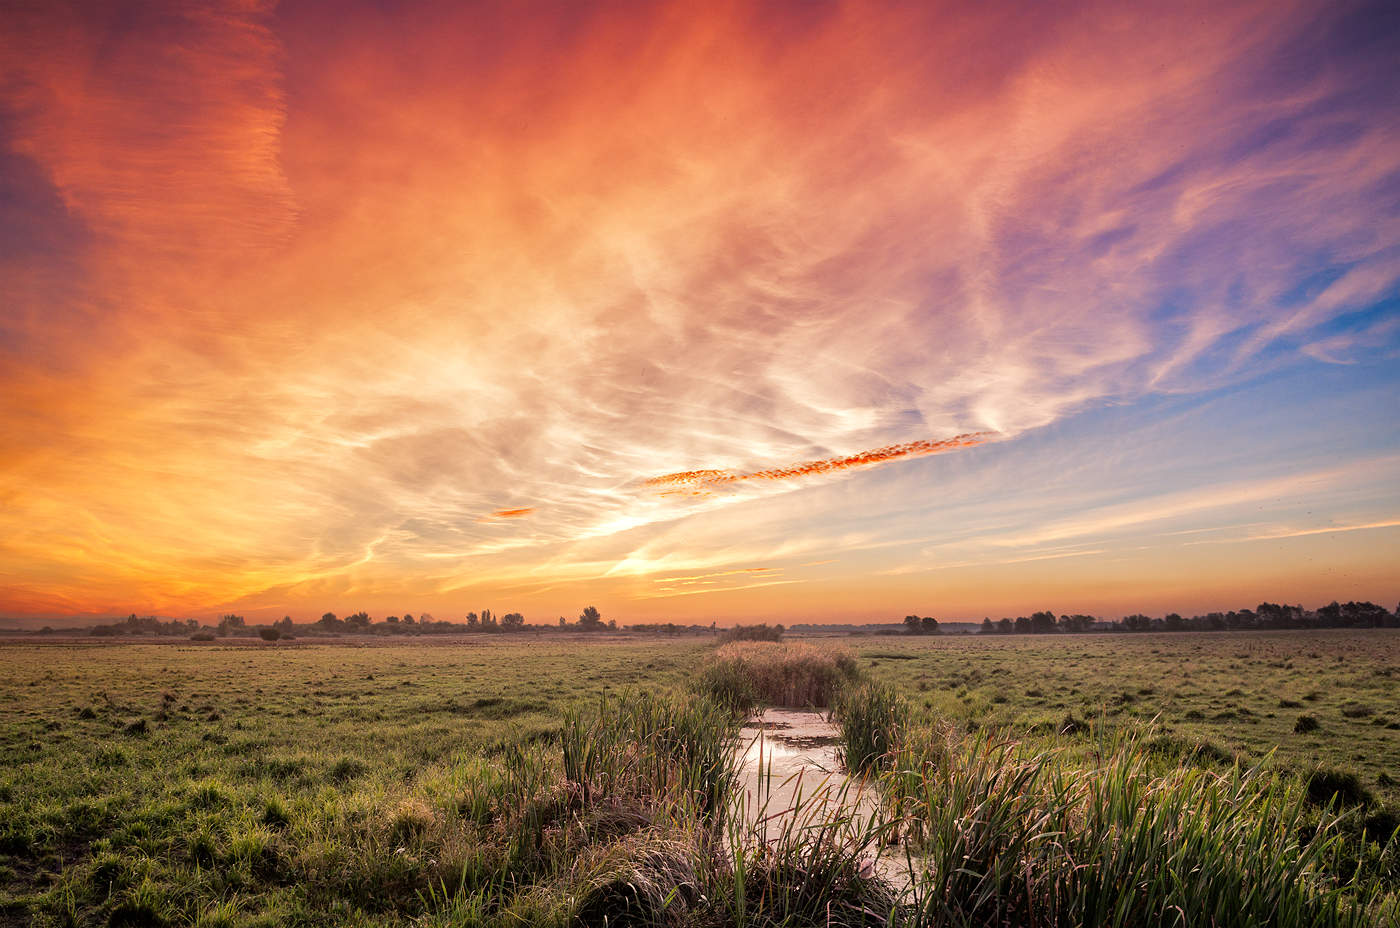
{"x": 1245, "y": 695}
{"x": 586, "y": 780}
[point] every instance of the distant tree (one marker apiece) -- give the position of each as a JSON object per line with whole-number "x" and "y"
{"x": 512, "y": 621}
{"x": 1043, "y": 622}
{"x": 284, "y": 625}
{"x": 488, "y": 621}
{"x": 228, "y": 624}
{"x": 612, "y": 625}
{"x": 590, "y": 620}
{"x": 1137, "y": 623}
{"x": 473, "y": 622}
{"x": 392, "y": 620}
{"x": 1172, "y": 622}
{"x": 407, "y": 618}
{"x": 1023, "y": 625}
{"x": 928, "y": 625}
{"x": 1363, "y": 614}
{"x": 1004, "y": 627}
{"x": 563, "y": 622}
{"x": 911, "y": 624}
{"x": 987, "y": 628}
{"x": 270, "y": 634}
{"x": 359, "y": 621}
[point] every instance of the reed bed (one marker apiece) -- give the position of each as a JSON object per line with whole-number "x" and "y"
{"x": 744, "y": 674}
{"x": 872, "y": 719}
{"x": 1003, "y": 834}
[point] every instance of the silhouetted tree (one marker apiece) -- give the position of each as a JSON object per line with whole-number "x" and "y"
{"x": 911, "y": 624}
{"x": 359, "y": 621}
{"x": 512, "y": 621}
{"x": 987, "y": 628}
{"x": 928, "y": 625}
{"x": 590, "y": 620}
{"x": 227, "y": 623}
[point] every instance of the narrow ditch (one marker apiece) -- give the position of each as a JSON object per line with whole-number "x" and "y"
{"x": 793, "y": 779}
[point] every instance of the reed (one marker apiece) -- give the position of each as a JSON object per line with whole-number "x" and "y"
{"x": 872, "y": 717}
{"x": 1005, "y": 834}
{"x": 743, "y": 674}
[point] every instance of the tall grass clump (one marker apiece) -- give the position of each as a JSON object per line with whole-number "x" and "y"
{"x": 745, "y": 674}
{"x": 670, "y": 750}
{"x": 871, "y": 717}
{"x": 1011, "y": 836}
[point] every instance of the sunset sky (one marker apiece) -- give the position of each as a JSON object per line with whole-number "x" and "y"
{"x": 698, "y": 312}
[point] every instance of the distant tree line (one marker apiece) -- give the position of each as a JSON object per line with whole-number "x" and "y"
{"x": 145, "y": 625}
{"x": 1264, "y": 616}
{"x": 671, "y": 629}
{"x": 359, "y": 623}
{"x": 762, "y": 632}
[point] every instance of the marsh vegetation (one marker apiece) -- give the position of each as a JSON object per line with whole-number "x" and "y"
{"x": 502, "y": 782}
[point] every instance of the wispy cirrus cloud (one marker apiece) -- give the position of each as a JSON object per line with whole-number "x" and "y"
{"x": 381, "y": 274}
{"x": 702, "y": 482}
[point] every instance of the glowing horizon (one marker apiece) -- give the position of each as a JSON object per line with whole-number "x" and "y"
{"x": 787, "y": 312}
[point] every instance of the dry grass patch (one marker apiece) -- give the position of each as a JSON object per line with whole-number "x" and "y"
{"x": 747, "y": 673}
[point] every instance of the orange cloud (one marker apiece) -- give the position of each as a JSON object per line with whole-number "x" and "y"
{"x": 513, "y": 513}
{"x": 700, "y": 481}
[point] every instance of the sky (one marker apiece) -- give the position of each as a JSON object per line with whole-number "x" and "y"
{"x": 732, "y": 312}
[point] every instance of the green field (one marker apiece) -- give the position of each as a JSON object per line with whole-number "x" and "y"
{"x": 390, "y": 784}
{"x": 1239, "y": 693}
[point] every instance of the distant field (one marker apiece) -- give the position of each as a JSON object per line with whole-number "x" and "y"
{"x": 1241, "y": 692}
{"x": 314, "y": 784}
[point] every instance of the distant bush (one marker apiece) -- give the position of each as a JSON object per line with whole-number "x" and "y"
{"x": 752, "y": 633}
{"x": 1306, "y": 723}
{"x": 202, "y": 636}
{"x": 269, "y": 634}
